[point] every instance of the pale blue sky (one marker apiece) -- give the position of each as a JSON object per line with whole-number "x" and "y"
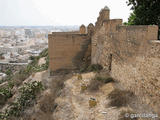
{"x": 58, "y": 12}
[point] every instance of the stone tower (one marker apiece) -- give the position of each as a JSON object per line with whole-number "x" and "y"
{"x": 90, "y": 29}
{"x": 82, "y": 29}
{"x": 104, "y": 15}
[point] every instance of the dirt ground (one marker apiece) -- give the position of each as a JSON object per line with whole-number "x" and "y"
{"x": 72, "y": 103}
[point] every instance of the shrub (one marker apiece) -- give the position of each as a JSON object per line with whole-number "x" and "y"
{"x": 91, "y": 68}
{"x": 31, "y": 57}
{"x": 8, "y": 72}
{"x": 104, "y": 80}
{"x": 44, "y": 53}
{"x": 34, "y": 67}
{"x": 28, "y": 91}
{"x": 99, "y": 81}
{"x": 5, "y": 93}
{"x": 120, "y": 98}
{"x": 27, "y": 95}
{"x": 94, "y": 67}
{"x": 47, "y": 104}
{"x": 83, "y": 68}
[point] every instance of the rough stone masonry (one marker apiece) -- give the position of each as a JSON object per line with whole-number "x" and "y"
{"x": 130, "y": 53}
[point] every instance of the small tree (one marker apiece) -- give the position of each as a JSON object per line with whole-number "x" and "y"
{"x": 145, "y": 12}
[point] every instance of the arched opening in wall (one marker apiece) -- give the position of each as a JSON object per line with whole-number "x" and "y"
{"x": 110, "y": 62}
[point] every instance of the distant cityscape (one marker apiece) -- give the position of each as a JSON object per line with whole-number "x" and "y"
{"x": 18, "y": 43}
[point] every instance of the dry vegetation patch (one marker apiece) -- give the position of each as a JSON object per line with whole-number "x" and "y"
{"x": 47, "y": 102}
{"x": 91, "y": 68}
{"x": 120, "y": 98}
{"x": 98, "y": 81}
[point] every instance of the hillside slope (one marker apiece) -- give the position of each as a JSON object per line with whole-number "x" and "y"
{"x": 66, "y": 96}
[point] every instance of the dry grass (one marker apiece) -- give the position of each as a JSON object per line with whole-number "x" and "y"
{"x": 98, "y": 81}
{"x": 18, "y": 78}
{"x": 120, "y": 98}
{"x": 47, "y": 103}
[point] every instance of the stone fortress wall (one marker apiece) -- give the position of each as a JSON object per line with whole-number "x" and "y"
{"x": 130, "y": 53}
{"x": 67, "y": 49}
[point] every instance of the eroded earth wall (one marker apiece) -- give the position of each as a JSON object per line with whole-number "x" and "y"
{"x": 132, "y": 55}
{"x": 66, "y": 50}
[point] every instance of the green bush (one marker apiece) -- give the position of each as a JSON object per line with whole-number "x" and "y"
{"x": 34, "y": 67}
{"x": 27, "y": 94}
{"x": 44, "y": 53}
{"x": 5, "y": 93}
{"x": 95, "y": 67}
{"x": 104, "y": 80}
{"x": 91, "y": 68}
{"x": 8, "y": 72}
{"x": 31, "y": 58}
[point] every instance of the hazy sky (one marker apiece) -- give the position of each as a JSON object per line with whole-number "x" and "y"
{"x": 58, "y": 12}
